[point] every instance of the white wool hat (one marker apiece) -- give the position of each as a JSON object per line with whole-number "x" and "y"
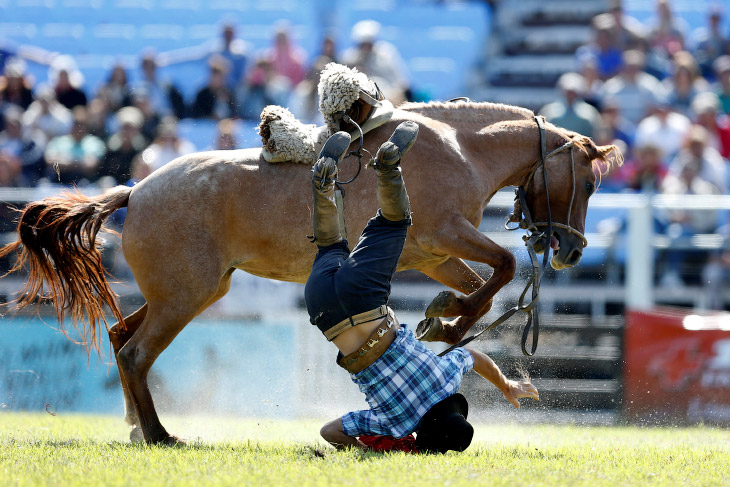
{"x": 365, "y": 31}
{"x": 339, "y": 87}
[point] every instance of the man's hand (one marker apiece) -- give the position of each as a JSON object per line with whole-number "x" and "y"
{"x": 515, "y": 390}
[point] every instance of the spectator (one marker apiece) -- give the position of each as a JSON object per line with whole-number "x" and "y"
{"x": 570, "y": 111}
{"x": 379, "y": 60}
{"x": 48, "y": 115}
{"x": 304, "y": 102}
{"x": 141, "y": 101}
{"x": 167, "y": 146}
{"x": 645, "y": 172}
{"x": 15, "y": 88}
{"x": 633, "y": 89}
{"x": 285, "y": 58}
{"x": 722, "y": 86}
{"x": 215, "y": 100}
{"x": 74, "y": 158}
{"x": 123, "y": 146}
{"x": 163, "y": 97}
{"x": 603, "y": 51}
{"x": 67, "y": 81}
{"x": 593, "y": 83}
{"x": 226, "y": 136}
{"x": 706, "y": 107}
{"x": 116, "y": 91}
{"x": 665, "y": 128}
{"x": 627, "y": 32}
{"x": 233, "y": 50}
{"x": 616, "y": 127}
{"x": 710, "y": 43}
{"x": 21, "y": 151}
{"x": 262, "y": 87}
{"x": 697, "y": 156}
{"x": 97, "y": 118}
{"x": 667, "y": 33}
{"x": 684, "y": 84}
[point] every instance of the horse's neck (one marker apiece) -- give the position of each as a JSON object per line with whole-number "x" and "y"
{"x": 506, "y": 153}
{"x": 461, "y": 115}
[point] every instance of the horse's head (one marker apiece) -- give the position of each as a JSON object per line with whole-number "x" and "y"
{"x": 572, "y": 168}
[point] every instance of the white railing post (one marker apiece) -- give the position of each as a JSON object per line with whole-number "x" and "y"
{"x": 639, "y": 258}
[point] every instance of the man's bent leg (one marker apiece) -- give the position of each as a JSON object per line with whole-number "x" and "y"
{"x": 392, "y": 197}
{"x": 324, "y": 173}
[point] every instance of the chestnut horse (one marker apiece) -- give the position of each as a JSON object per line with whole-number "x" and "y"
{"x": 192, "y": 223}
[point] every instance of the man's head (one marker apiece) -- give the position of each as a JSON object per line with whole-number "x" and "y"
{"x": 444, "y": 427}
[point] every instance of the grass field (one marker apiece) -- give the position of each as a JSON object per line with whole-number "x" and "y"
{"x": 68, "y": 450}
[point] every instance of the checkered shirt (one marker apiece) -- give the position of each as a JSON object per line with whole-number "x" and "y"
{"x": 403, "y": 384}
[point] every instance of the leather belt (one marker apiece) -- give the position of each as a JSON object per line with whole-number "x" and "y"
{"x": 351, "y": 321}
{"x": 373, "y": 348}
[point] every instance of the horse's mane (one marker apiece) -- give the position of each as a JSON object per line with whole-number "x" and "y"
{"x": 485, "y": 113}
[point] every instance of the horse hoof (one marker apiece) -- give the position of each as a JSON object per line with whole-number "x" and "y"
{"x": 430, "y": 330}
{"x": 440, "y": 305}
{"x": 169, "y": 440}
{"x": 135, "y": 434}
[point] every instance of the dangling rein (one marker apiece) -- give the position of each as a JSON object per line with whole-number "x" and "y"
{"x": 523, "y": 217}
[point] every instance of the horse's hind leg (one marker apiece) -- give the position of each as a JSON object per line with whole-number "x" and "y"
{"x": 161, "y": 324}
{"x": 118, "y": 337}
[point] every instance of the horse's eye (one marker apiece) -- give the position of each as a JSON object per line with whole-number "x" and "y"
{"x": 590, "y": 188}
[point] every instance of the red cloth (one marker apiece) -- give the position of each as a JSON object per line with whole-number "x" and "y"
{"x": 382, "y": 443}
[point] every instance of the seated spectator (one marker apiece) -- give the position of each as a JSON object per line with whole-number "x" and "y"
{"x": 665, "y": 128}
{"x": 167, "y": 146}
{"x": 706, "y": 107}
{"x": 603, "y": 50}
{"x": 262, "y": 87}
{"x": 116, "y": 91}
{"x": 697, "y": 156}
{"x": 722, "y": 86}
{"x": 15, "y": 88}
{"x": 645, "y": 171}
{"x": 226, "y": 136}
{"x": 684, "y": 84}
{"x": 304, "y": 103}
{"x": 21, "y": 151}
{"x": 593, "y": 83}
{"x": 48, "y": 115}
{"x": 67, "y": 81}
{"x": 123, "y": 146}
{"x": 570, "y": 111}
{"x": 616, "y": 126}
{"x": 697, "y": 170}
{"x": 141, "y": 101}
{"x": 633, "y": 89}
{"x": 215, "y": 100}
{"x": 164, "y": 98}
{"x": 97, "y": 119}
{"x": 710, "y": 43}
{"x": 74, "y": 158}
{"x": 380, "y": 60}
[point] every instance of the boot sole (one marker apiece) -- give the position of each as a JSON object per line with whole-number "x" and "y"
{"x": 336, "y": 146}
{"x": 404, "y": 136}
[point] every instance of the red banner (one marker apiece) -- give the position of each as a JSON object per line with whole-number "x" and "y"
{"x": 677, "y": 366}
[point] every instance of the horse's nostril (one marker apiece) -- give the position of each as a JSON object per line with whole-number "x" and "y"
{"x": 574, "y": 257}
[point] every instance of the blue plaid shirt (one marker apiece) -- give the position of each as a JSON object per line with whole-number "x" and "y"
{"x": 403, "y": 384}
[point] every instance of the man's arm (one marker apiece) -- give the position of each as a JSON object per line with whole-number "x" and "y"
{"x": 335, "y": 435}
{"x": 512, "y": 390}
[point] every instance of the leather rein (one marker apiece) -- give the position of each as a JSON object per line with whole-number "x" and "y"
{"x": 523, "y": 218}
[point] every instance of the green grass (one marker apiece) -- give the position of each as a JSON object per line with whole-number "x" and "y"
{"x": 67, "y": 450}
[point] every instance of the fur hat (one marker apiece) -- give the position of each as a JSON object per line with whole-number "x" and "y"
{"x": 287, "y": 139}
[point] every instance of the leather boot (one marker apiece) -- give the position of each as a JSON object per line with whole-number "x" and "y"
{"x": 324, "y": 173}
{"x": 392, "y": 197}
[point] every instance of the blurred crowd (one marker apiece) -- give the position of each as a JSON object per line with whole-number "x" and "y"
{"x": 662, "y": 94}
{"x": 60, "y": 132}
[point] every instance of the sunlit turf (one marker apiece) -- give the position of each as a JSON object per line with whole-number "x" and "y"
{"x": 67, "y": 450}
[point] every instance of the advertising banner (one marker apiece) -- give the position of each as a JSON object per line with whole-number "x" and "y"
{"x": 677, "y": 366}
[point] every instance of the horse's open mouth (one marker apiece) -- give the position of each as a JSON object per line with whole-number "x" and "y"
{"x": 566, "y": 252}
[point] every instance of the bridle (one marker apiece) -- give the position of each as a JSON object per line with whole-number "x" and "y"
{"x": 523, "y": 218}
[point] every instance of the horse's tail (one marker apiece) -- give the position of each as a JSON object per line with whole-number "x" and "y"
{"x": 57, "y": 242}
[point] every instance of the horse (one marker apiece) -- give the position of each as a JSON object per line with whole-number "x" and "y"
{"x": 193, "y": 222}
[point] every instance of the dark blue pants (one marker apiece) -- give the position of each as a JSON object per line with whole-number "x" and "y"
{"x": 343, "y": 283}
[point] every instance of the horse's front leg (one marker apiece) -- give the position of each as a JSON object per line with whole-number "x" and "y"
{"x": 461, "y": 240}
